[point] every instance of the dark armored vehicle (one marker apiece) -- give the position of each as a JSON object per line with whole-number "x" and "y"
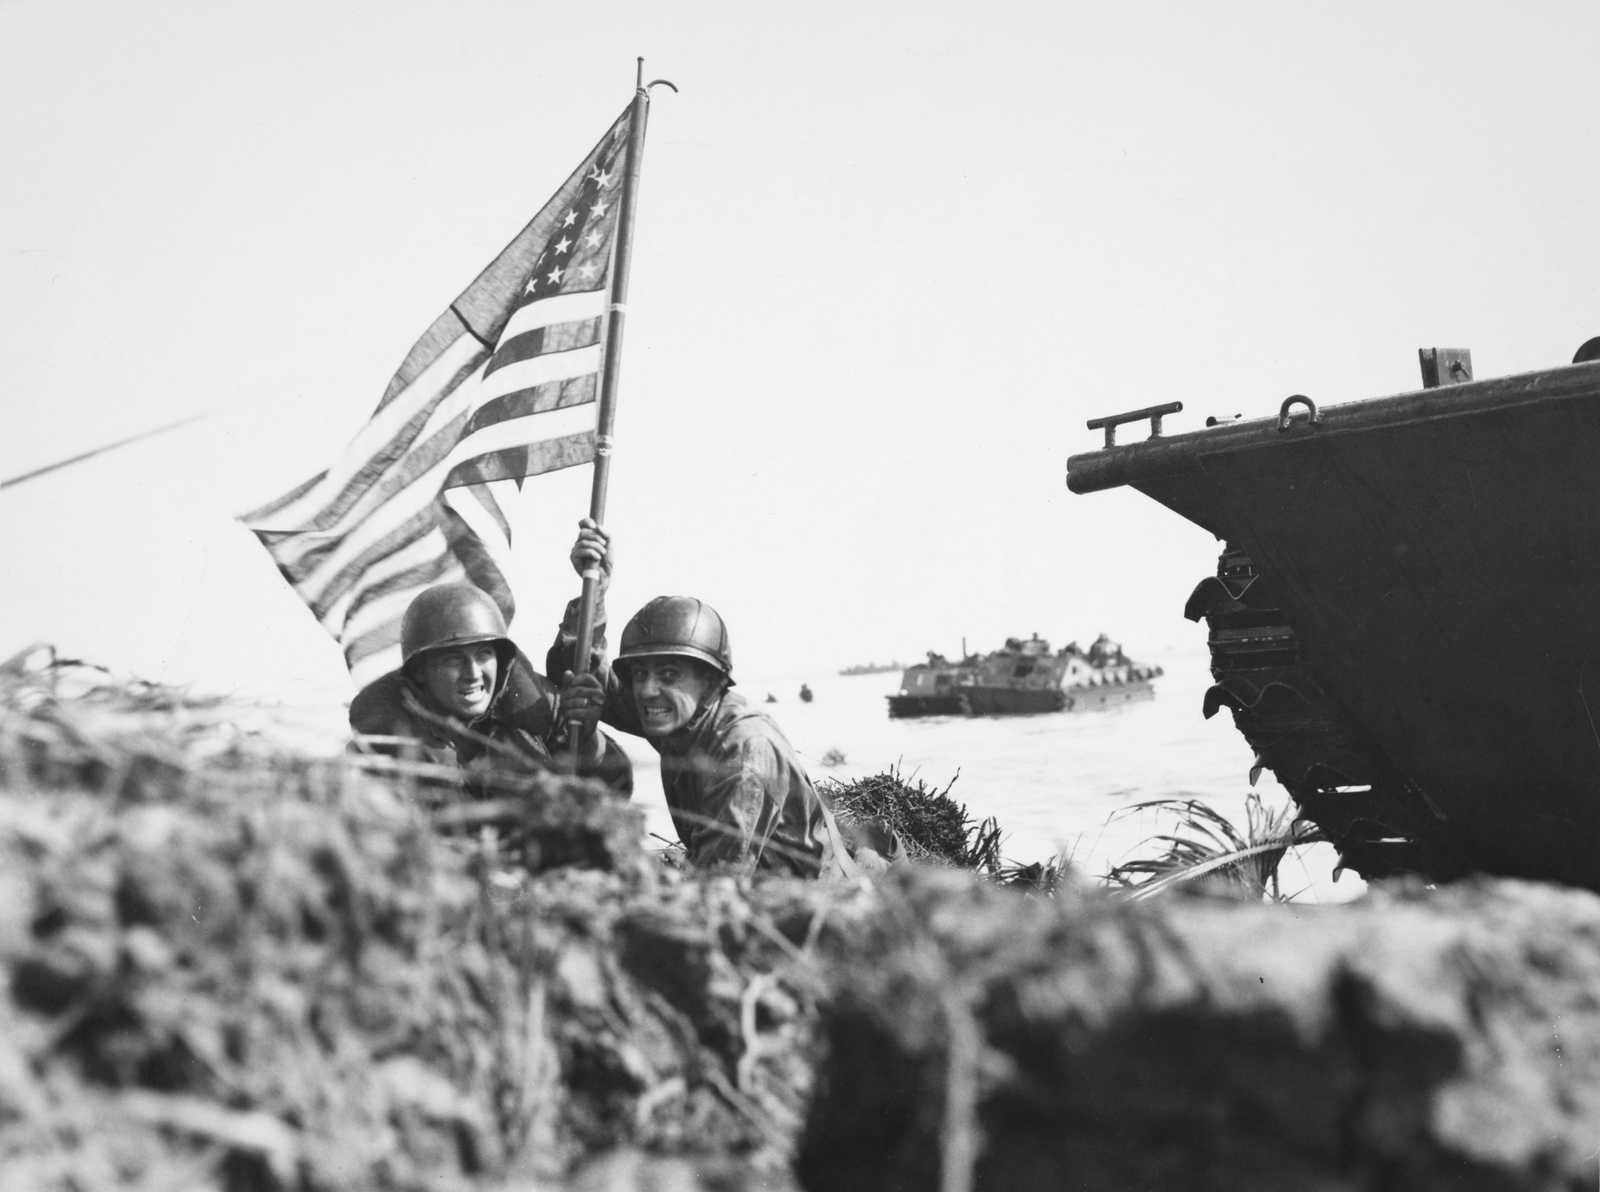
{"x": 1403, "y": 622}
{"x": 1022, "y": 678}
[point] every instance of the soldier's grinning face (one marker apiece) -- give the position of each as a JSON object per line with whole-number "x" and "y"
{"x": 460, "y": 679}
{"x": 667, "y": 692}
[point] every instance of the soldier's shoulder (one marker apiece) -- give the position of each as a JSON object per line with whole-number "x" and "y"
{"x": 740, "y": 720}
{"x": 528, "y": 698}
{"x": 377, "y": 707}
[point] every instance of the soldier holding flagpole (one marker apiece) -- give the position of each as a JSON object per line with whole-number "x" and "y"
{"x": 739, "y": 796}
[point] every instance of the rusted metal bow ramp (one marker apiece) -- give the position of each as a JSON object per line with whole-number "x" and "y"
{"x": 1405, "y": 619}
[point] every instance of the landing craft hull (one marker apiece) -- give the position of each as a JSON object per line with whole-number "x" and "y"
{"x": 1005, "y": 701}
{"x": 1081, "y": 698}
{"x": 1010, "y": 701}
{"x": 903, "y": 706}
{"x": 1433, "y": 562}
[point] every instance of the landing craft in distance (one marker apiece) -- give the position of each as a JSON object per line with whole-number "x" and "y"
{"x": 871, "y": 668}
{"x": 1022, "y": 678}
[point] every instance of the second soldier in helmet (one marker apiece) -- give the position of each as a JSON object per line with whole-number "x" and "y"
{"x": 465, "y": 695}
{"x": 738, "y": 795}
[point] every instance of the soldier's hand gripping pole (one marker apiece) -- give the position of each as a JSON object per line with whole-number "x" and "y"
{"x": 591, "y": 558}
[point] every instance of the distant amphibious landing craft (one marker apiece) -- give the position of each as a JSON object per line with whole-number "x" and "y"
{"x": 1021, "y": 678}
{"x": 1405, "y": 620}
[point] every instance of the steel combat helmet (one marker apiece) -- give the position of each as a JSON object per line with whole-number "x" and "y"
{"x": 682, "y": 625}
{"x": 449, "y": 615}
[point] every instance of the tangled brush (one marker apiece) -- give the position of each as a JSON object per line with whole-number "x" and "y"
{"x": 930, "y": 824}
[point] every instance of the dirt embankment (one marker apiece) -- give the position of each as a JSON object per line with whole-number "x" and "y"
{"x": 1416, "y": 1039}
{"x": 229, "y": 965}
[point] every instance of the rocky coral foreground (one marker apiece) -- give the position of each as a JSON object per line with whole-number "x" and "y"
{"x": 231, "y": 965}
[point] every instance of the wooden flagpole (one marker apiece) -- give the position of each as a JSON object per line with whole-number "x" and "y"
{"x": 605, "y": 418}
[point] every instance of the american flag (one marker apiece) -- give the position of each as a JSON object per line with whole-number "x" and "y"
{"x": 501, "y": 387}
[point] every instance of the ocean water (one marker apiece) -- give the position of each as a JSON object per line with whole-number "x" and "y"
{"x": 1057, "y": 782}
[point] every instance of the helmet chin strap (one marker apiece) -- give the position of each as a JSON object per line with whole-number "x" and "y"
{"x": 704, "y": 712}
{"x": 506, "y": 656}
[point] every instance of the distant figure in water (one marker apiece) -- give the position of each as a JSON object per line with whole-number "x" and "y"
{"x": 738, "y": 795}
{"x": 771, "y": 699}
{"x": 805, "y": 694}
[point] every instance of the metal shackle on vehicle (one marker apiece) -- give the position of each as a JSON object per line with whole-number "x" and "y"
{"x": 681, "y": 625}
{"x": 448, "y": 615}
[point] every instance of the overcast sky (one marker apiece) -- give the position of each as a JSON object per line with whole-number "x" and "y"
{"x": 885, "y": 267}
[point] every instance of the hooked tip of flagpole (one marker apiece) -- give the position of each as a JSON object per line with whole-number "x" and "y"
{"x": 643, "y": 87}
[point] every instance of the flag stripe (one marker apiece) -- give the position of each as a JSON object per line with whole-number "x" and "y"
{"x": 387, "y": 478}
{"x": 533, "y": 460}
{"x": 546, "y": 311}
{"x": 337, "y": 561}
{"x": 490, "y": 503}
{"x": 468, "y": 504}
{"x": 539, "y": 370}
{"x": 352, "y": 557}
{"x": 351, "y": 615}
{"x": 481, "y": 566}
{"x": 367, "y": 495}
{"x": 369, "y": 468}
{"x": 393, "y": 575}
{"x": 288, "y": 498}
{"x": 540, "y": 399}
{"x": 380, "y": 442}
{"x": 536, "y": 341}
{"x": 516, "y": 432}
{"x": 374, "y": 648}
